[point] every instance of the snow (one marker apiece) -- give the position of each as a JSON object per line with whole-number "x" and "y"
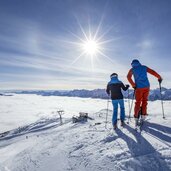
{"x": 41, "y": 143}
{"x": 24, "y": 109}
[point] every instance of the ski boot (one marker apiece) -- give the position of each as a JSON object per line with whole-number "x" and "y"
{"x": 115, "y": 126}
{"x": 122, "y": 123}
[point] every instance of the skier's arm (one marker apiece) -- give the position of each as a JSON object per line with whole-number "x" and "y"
{"x": 124, "y": 87}
{"x": 154, "y": 73}
{"x": 108, "y": 90}
{"x": 129, "y": 77}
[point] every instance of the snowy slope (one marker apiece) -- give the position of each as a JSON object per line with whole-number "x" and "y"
{"x": 45, "y": 145}
{"x": 19, "y": 110}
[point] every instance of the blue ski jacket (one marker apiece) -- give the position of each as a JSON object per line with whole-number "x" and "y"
{"x": 140, "y": 75}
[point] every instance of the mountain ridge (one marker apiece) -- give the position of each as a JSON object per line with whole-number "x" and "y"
{"x": 98, "y": 93}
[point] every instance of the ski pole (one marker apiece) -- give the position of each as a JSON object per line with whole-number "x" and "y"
{"x": 107, "y": 112}
{"x": 161, "y": 100}
{"x": 128, "y": 101}
{"x": 131, "y": 107}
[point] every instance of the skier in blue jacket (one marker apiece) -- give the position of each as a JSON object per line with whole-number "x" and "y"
{"x": 114, "y": 90}
{"x": 142, "y": 87}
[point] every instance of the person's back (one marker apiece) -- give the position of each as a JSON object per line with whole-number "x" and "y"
{"x": 140, "y": 76}
{"x": 114, "y": 88}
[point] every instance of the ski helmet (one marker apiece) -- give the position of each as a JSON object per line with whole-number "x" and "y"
{"x": 135, "y": 62}
{"x": 114, "y": 75}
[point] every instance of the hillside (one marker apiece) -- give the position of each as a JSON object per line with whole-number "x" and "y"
{"x": 44, "y": 143}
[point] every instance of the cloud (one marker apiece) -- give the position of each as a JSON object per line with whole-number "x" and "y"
{"x": 33, "y": 57}
{"x": 146, "y": 44}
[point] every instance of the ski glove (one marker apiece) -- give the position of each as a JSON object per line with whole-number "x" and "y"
{"x": 127, "y": 85}
{"x": 160, "y": 80}
{"x": 134, "y": 87}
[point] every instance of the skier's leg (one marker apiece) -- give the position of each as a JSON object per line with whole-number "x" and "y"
{"x": 115, "y": 112}
{"x": 138, "y": 98}
{"x": 122, "y": 110}
{"x": 144, "y": 101}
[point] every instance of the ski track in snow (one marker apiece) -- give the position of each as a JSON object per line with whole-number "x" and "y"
{"x": 88, "y": 146}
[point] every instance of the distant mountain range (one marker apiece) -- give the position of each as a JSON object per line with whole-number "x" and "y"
{"x": 99, "y": 93}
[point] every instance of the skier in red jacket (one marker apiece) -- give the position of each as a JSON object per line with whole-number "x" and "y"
{"x": 141, "y": 85}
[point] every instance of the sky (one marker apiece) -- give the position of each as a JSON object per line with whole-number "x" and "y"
{"x": 42, "y": 43}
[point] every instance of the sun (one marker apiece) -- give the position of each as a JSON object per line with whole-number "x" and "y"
{"x": 91, "y": 44}
{"x": 91, "y": 47}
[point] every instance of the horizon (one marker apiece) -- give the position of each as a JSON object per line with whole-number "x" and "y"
{"x": 13, "y": 90}
{"x": 77, "y": 44}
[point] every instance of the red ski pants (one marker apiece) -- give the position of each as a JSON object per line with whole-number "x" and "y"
{"x": 141, "y": 97}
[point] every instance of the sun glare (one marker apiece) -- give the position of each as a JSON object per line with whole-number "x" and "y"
{"x": 91, "y": 44}
{"x": 90, "y": 47}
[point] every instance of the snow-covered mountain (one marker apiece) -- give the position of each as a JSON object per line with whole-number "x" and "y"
{"x": 36, "y": 141}
{"x": 100, "y": 93}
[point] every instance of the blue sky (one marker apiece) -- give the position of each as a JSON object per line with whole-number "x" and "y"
{"x": 40, "y": 41}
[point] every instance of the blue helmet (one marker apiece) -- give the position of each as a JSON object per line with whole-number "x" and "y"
{"x": 135, "y": 63}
